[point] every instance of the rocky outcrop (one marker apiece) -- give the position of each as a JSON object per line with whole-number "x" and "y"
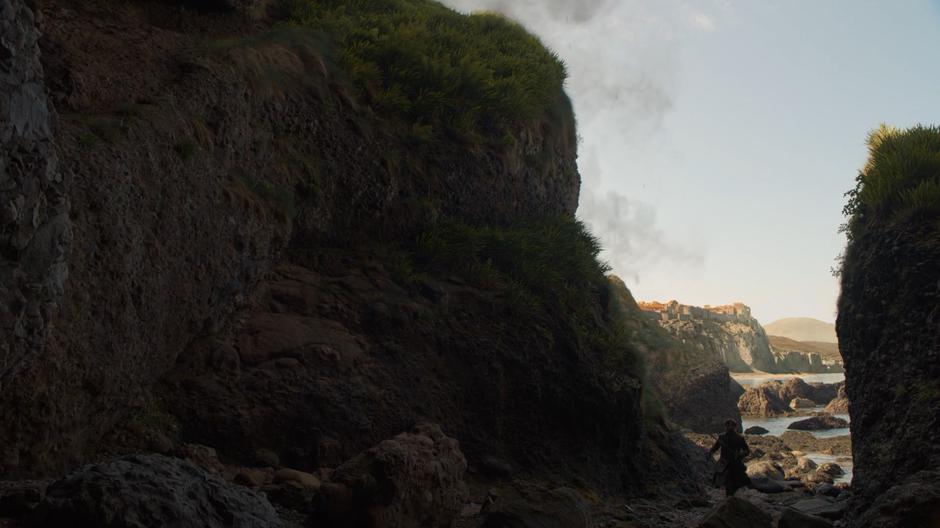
{"x": 775, "y": 397}
{"x": 152, "y": 490}
{"x": 819, "y": 423}
{"x": 189, "y": 176}
{"x": 762, "y": 401}
{"x": 840, "y": 404}
{"x": 728, "y": 332}
{"x": 414, "y": 480}
{"x": 889, "y": 336}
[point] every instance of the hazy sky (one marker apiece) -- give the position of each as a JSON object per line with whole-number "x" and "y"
{"x": 719, "y": 136}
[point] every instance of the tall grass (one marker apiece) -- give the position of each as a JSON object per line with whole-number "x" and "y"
{"x": 901, "y": 178}
{"x": 442, "y": 71}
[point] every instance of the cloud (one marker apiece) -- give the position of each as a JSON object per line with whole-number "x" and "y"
{"x": 703, "y": 22}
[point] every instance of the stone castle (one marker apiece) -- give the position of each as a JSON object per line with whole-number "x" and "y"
{"x": 675, "y": 311}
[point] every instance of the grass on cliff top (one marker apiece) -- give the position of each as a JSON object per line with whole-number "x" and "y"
{"x": 901, "y": 179}
{"x": 441, "y": 71}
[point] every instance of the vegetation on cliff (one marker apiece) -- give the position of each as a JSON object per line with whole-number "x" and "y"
{"x": 900, "y": 180}
{"x": 445, "y": 73}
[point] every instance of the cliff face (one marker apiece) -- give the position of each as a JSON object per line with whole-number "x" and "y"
{"x": 890, "y": 338}
{"x": 889, "y": 331}
{"x": 728, "y": 333}
{"x": 250, "y": 265}
{"x": 189, "y": 175}
{"x": 693, "y": 384}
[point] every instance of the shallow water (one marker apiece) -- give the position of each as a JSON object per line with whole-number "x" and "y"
{"x": 754, "y": 379}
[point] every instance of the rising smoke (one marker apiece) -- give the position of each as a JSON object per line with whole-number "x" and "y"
{"x": 621, "y": 62}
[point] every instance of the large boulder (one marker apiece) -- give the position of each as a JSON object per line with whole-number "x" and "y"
{"x": 144, "y": 491}
{"x": 414, "y": 480}
{"x": 756, "y": 430}
{"x": 819, "y": 423}
{"x": 529, "y": 505}
{"x": 735, "y": 512}
{"x": 762, "y": 401}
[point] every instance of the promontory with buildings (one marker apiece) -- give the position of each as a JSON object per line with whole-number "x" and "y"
{"x": 731, "y": 333}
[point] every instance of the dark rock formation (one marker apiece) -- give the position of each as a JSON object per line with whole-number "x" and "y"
{"x": 152, "y": 490}
{"x": 189, "y": 176}
{"x": 529, "y": 505}
{"x": 737, "y": 513}
{"x": 336, "y": 357}
{"x": 35, "y": 230}
{"x": 819, "y": 423}
{"x": 414, "y": 480}
{"x": 756, "y": 430}
{"x": 911, "y": 501}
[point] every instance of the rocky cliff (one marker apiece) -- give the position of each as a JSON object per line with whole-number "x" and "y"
{"x": 693, "y": 384}
{"x": 889, "y": 330}
{"x": 268, "y": 258}
{"x": 726, "y": 332}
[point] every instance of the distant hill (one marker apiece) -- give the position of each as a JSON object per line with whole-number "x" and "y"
{"x": 803, "y": 329}
{"x": 825, "y": 350}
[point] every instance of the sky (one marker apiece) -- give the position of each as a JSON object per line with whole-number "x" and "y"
{"x": 717, "y": 137}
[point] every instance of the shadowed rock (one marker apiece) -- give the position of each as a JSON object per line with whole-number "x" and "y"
{"x": 148, "y": 491}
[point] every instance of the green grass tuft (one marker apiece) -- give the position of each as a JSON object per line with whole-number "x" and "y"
{"x": 445, "y": 73}
{"x": 901, "y": 178}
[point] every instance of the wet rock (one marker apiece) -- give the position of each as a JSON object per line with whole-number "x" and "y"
{"x": 756, "y": 430}
{"x": 795, "y": 519}
{"x": 412, "y": 480}
{"x": 819, "y": 423}
{"x": 529, "y": 505}
{"x": 735, "y": 512}
{"x": 152, "y": 490}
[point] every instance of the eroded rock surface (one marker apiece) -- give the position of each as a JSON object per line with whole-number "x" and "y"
{"x": 152, "y": 490}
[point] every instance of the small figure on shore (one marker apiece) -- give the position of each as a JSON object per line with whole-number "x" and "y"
{"x": 731, "y": 472}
